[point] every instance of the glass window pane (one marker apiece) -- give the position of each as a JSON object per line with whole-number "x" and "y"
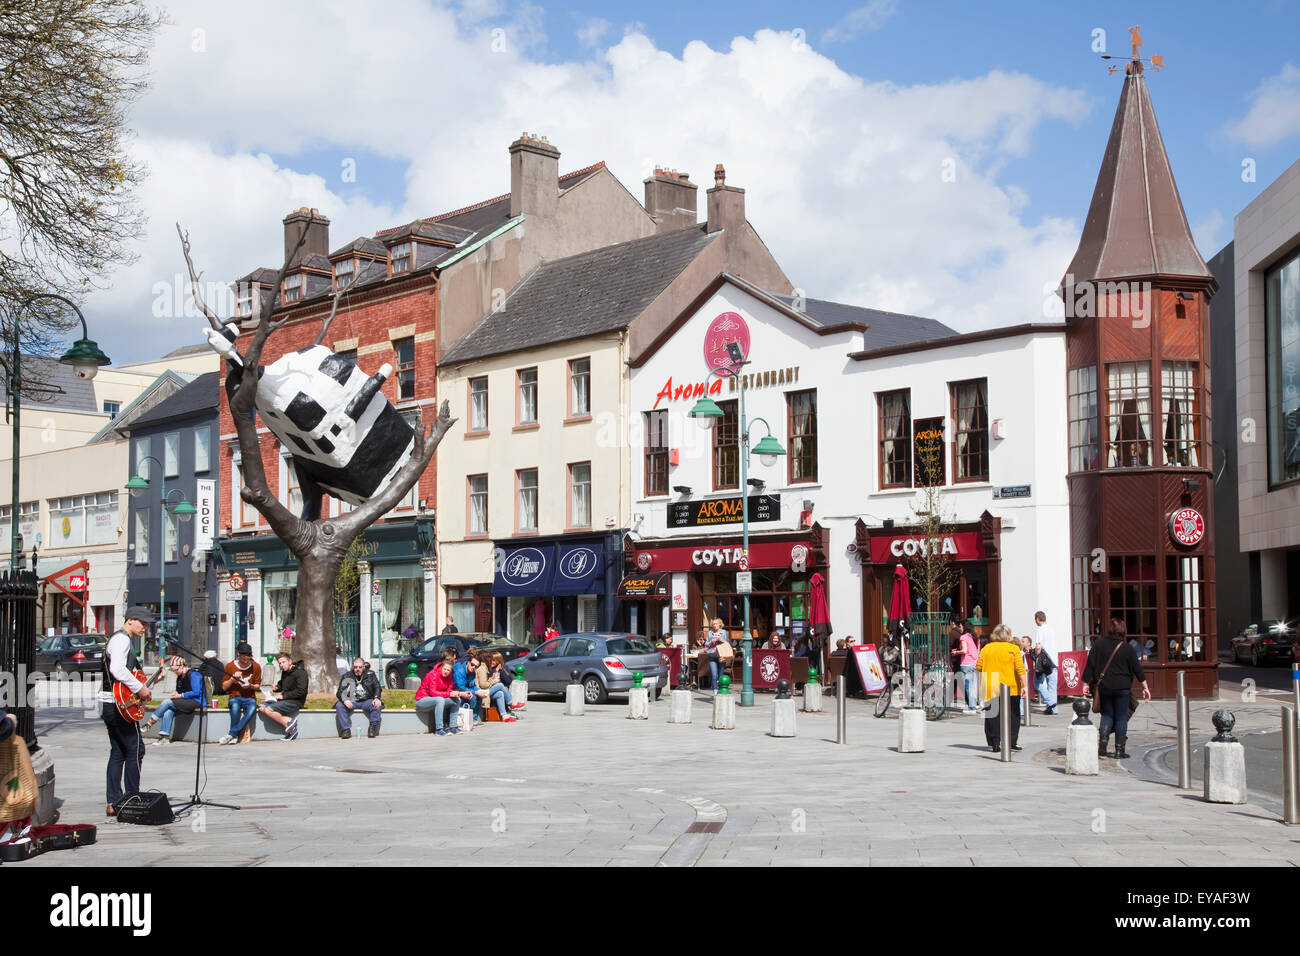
{"x": 142, "y": 536}
{"x": 172, "y": 454}
{"x": 202, "y": 449}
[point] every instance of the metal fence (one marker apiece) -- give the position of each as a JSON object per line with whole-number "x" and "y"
{"x": 930, "y": 655}
{"x": 347, "y": 635}
{"x": 18, "y": 643}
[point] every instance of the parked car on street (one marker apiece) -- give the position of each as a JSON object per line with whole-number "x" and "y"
{"x": 605, "y": 664}
{"x": 1265, "y": 642}
{"x": 426, "y": 654}
{"x": 65, "y": 654}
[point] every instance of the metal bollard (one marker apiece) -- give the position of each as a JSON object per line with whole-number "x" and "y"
{"x": 841, "y": 712}
{"x": 1184, "y": 734}
{"x": 1004, "y": 722}
{"x": 1290, "y": 768}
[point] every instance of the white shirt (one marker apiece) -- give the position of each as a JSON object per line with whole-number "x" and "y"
{"x": 118, "y": 647}
{"x": 1047, "y": 637}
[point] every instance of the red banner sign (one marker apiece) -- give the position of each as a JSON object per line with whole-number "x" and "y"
{"x": 1069, "y": 673}
{"x": 726, "y": 556}
{"x": 963, "y": 546}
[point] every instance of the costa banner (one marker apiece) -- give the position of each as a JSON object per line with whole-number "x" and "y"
{"x": 726, "y": 556}
{"x": 1069, "y": 673}
{"x": 962, "y": 546}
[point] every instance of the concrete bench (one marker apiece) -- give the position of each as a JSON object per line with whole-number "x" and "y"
{"x": 311, "y": 724}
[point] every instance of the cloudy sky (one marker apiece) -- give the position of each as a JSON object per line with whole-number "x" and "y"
{"x": 934, "y": 158}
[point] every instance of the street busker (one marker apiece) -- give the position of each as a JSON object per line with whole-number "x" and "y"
{"x": 1112, "y": 668}
{"x": 1001, "y": 661}
{"x": 359, "y": 690}
{"x": 125, "y": 745}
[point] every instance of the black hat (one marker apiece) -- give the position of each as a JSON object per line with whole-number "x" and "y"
{"x": 138, "y": 613}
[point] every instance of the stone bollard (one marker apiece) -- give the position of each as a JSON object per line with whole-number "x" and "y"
{"x": 812, "y": 693}
{"x": 575, "y": 701}
{"x": 519, "y": 686}
{"x": 638, "y": 699}
{"x": 1081, "y": 742}
{"x": 724, "y": 706}
{"x": 412, "y": 676}
{"x": 911, "y": 730}
{"x": 1225, "y": 763}
{"x": 783, "y": 711}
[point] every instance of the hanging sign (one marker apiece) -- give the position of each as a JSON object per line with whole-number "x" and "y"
{"x": 715, "y": 511}
{"x": 727, "y": 327}
{"x": 928, "y": 452}
{"x": 76, "y": 582}
{"x": 1187, "y": 526}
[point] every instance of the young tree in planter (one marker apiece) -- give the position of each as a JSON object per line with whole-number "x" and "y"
{"x": 321, "y": 544}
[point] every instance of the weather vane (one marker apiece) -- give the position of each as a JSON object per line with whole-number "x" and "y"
{"x": 1136, "y": 60}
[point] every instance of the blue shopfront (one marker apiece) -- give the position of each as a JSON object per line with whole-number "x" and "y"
{"x": 568, "y": 582}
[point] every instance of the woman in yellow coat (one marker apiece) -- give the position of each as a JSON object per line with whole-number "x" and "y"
{"x": 1001, "y": 662}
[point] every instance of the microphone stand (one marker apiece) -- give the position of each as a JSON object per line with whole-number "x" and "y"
{"x": 196, "y": 799}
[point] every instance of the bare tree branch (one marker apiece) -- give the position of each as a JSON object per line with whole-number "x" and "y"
{"x": 329, "y": 319}
{"x": 213, "y": 319}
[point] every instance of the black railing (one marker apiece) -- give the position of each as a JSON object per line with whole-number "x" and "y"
{"x": 18, "y": 647}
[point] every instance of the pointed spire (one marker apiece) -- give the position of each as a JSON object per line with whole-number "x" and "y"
{"x": 1136, "y": 225}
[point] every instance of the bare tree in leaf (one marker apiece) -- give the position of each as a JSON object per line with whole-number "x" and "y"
{"x": 320, "y": 544}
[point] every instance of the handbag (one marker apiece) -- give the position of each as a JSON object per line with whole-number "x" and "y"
{"x": 465, "y": 715}
{"x": 18, "y": 789}
{"x": 1096, "y": 688}
{"x": 725, "y": 653}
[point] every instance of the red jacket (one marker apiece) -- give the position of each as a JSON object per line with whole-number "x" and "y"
{"x": 435, "y": 685}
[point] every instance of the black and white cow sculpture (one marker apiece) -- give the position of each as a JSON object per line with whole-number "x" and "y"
{"x": 345, "y": 437}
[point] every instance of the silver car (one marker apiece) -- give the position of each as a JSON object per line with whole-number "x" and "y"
{"x": 605, "y": 664}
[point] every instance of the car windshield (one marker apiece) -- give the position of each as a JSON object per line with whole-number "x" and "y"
{"x": 427, "y": 647}
{"x": 629, "y": 645}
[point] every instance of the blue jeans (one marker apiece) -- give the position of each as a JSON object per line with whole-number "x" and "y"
{"x": 166, "y": 713}
{"x": 444, "y": 709}
{"x": 125, "y": 753}
{"x": 242, "y": 710}
{"x": 368, "y": 707}
{"x": 717, "y": 668}
{"x": 498, "y": 694}
{"x": 968, "y": 681}
{"x": 1045, "y": 684}
{"x": 1114, "y": 712}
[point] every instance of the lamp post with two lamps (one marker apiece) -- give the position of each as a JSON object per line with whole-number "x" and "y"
{"x": 182, "y": 510}
{"x": 707, "y": 412}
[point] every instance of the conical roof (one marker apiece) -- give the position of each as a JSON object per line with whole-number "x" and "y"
{"x": 1136, "y": 225}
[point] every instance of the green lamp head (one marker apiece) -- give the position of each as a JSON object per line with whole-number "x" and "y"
{"x": 85, "y": 357}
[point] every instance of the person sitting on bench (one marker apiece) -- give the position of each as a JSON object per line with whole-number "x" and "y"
{"x": 291, "y": 692}
{"x": 359, "y": 690}
{"x": 438, "y": 693}
{"x": 243, "y": 678}
{"x": 464, "y": 675}
{"x": 186, "y": 699}
{"x": 489, "y": 678}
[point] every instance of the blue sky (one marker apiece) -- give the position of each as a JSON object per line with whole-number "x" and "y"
{"x": 835, "y": 117}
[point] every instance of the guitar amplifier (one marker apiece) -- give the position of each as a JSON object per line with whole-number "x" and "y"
{"x": 149, "y": 809}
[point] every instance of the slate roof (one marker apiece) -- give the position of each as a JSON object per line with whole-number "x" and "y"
{"x": 78, "y": 394}
{"x": 198, "y": 396}
{"x": 586, "y": 294}
{"x": 884, "y": 329}
{"x": 363, "y": 245}
{"x": 428, "y": 229}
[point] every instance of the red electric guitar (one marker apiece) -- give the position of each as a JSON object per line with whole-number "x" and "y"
{"x": 128, "y": 705}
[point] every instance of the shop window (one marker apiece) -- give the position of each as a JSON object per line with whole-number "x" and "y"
{"x": 28, "y": 521}
{"x": 142, "y": 536}
{"x": 1282, "y": 352}
{"x": 580, "y": 495}
{"x": 1086, "y": 602}
{"x": 656, "y": 452}
{"x": 527, "y": 386}
{"x": 1128, "y": 411}
{"x": 478, "y": 404}
{"x": 726, "y": 448}
{"x": 526, "y": 512}
{"x": 402, "y": 616}
{"x": 477, "y": 522}
{"x": 970, "y": 415}
{"x": 580, "y": 388}
{"x": 1186, "y": 616}
{"x": 588, "y": 620}
{"x": 895, "y": 431}
{"x": 405, "y": 349}
{"x": 77, "y": 520}
{"x": 1083, "y": 418}
{"x": 801, "y": 426}
{"x": 1132, "y": 588}
{"x": 1180, "y": 410}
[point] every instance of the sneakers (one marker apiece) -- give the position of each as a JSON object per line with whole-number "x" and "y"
{"x": 970, "y": 710}
{"x": 226, "y": 740}
{"x": 442, "y": 733}
{"x": 345, "y": 735}
{"x": 456, "y": 730}
{"x": 519, "y": 706}
{"x": 150, "y": 722}
{"x": 291, "y": 732}
{"x": 372, "y": 732}
{"x": 509, "y": 719}
{"x": 161, "y": 742}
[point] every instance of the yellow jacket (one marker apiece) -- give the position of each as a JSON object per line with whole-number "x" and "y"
{"x": 998, "y": 661}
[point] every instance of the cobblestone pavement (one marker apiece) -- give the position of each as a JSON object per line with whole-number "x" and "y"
{"x": 604, "y": 790}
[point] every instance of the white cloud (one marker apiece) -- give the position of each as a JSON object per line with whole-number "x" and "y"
{"x": 1274, "y": 113}
{"x": 844, "y": 178}
{"x": 865, "y": 19}
{"x": 593, "y": 31}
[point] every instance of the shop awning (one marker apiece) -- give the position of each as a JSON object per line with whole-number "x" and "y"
{"x": 579, "y": 568}
{"x": 525, "y": 572}
{"x": 646, "y": 587}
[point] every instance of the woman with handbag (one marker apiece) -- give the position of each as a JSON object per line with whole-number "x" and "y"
{"x": 1112, "y": 668}
{"x": 719, "y": 651}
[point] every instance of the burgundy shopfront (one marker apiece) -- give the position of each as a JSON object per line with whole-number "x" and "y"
{"x": 704, "y": 579}
{"x": 975, "y": 550}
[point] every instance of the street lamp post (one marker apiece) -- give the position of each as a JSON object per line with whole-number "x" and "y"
{"x": 183, "y": 511}
{"x": 706, "y": 412}
{"x": 85, "y": 357}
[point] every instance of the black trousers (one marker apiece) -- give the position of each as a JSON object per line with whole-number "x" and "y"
{"x": 992, "y": 728}
{"x": 125, "y": 753}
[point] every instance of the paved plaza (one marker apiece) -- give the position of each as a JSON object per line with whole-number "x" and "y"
{"x": 604, "y": 790}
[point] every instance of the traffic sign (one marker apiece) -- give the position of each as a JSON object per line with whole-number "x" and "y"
{"x": 743, "y": 563}
{"x": 744, "y": 582}
{"x": 233, "y": 595}
{"x": 376, "y": 604}
{"x": 236, "y": 582}
{"x": 374, "y": 588}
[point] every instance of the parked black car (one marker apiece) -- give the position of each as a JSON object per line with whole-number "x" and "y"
{"x": 1265, "y": 642}
{"x": 71, "y": 654}
{"x": 429, "y": 653}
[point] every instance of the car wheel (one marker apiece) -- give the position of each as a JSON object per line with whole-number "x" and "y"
{"x": 1254, "y": 656}
{"x": 593, "y": 690}
{"x": 394, "y": 682}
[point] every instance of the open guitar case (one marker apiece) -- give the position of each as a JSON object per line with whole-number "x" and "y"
{"x": 20, "y": 841}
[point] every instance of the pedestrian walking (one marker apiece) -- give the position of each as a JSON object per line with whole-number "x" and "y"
{"x": 1112, "y": 668}
{"x": 1001, "y": 661}
{"x": 1044, "y": 676}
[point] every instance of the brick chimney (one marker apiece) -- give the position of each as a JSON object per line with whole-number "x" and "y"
{"x": 726, "y": 204}
{"x": 670, "y": 199}
{"x": 318, "y": 234}
{"x": 534, "y": 177}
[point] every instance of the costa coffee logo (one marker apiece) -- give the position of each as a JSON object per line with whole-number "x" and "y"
{"x": 727, "y": 327}
{"x": 643, "y": 560}
{"x": 769, "y": 668}
{"x": 578, "y": 563}
{"x": 1187, "y": 526}
{"x": 523, "y": 566}
{"x": 718, "y": 556}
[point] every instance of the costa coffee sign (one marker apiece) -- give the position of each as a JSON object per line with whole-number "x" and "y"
{"x": 764, "y": 554}
{"x": 1187, "y": 527}
{"x": 727, "y": 327}
{"x": 963, "y": 546}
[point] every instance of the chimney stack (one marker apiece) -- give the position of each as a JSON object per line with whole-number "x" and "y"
{"x": 726, "y": 204}
{"x": 534, "y": 177}
{"x": 318, "y": 234}
{"x": 670, "y": 199}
